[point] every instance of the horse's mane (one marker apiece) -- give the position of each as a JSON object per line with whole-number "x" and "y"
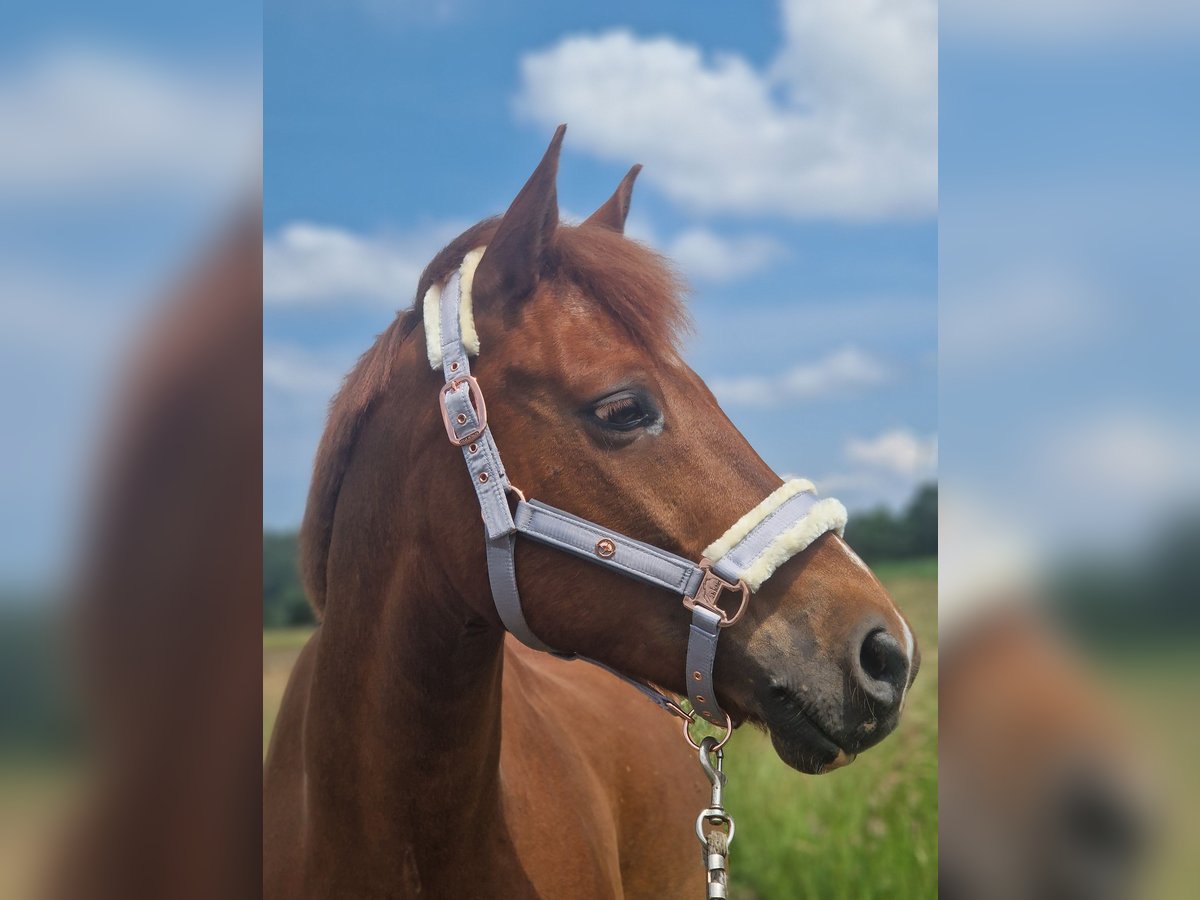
{"x": 628, "y": 280}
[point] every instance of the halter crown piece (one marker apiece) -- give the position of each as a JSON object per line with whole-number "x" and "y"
{"x": 737, "y": 563}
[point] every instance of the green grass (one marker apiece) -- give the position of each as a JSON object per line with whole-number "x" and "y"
{"x": 283, "y": 640}
{"x": 280, "y": 649}
{"x": 865, "y": 831}
{"x": 1154, "y": 686}
{"x": 36, "y": 798}
{"x": 897, "y": 570}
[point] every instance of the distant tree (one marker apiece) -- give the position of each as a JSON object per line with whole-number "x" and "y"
{"x": 1171, "y": 573}
{"x": 1148, "y": 591}
{"x": 921, "y": 521}
{"x": 880, "y": 534}
{"x": 38, "y": 717}
{"x": 284, "y": 602}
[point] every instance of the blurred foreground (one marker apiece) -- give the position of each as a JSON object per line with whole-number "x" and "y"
{"x": 1070, "y": 440}
{"x": 147, "y": 785}
{"x": 130, "y": 366}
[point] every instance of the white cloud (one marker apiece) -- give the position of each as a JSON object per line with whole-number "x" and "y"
{"x": 310, "y": 264}
{"x": 1107, "y": 477}
{"x": 1104, "y": 479}
{"x": 290, "y": 370}
{"x": 703, "y": 255}
{"x": 842, "y": 124}
{"x": 899, "y": 451}
{"x": 843, "y": 371}
{"x": 86, "y": 120}
{"x": 1027, "y": 311}
{"x": 1126, "y": 451}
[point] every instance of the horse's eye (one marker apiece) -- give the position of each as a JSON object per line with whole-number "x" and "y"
{"x": 624, "y": 412}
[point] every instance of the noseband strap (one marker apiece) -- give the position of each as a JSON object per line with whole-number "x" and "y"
{"x": 716, "y": 589}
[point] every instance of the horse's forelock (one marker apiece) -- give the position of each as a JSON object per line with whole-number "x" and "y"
{"x": 626, "y": 279}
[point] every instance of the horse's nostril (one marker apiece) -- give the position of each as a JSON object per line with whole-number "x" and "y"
{"x": 873, "y": 658}
{"x": 883, "y": 666}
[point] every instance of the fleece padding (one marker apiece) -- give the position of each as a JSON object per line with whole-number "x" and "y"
{"x": 466, "y": 311}
{"x": 825, "y": 515}
{"x": 822, "y": 516}
{"x": 746, "y": 523}
{"x": 431, "y": 310}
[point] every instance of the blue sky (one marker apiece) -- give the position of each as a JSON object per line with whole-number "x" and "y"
{"x": 802, "y": 212}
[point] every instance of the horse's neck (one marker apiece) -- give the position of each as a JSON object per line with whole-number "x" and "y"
{"x": 405, "y": 716}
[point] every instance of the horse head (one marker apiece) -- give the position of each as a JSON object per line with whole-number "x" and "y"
{"x": 596, "y": 412}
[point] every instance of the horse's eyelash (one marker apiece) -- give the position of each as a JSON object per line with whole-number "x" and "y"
{"x": 612, "y": 407}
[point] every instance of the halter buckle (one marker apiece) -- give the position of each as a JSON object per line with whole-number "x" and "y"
{"x": 709, "y": 592}
{"x": 476, "y": 400}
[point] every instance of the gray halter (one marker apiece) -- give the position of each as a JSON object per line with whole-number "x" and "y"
{"x": 701, "y": 585}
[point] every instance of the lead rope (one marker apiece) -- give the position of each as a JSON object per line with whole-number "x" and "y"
{"x": 714, "y": 826}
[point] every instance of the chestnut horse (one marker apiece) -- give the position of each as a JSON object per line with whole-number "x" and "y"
{"x": 418, "y": 751}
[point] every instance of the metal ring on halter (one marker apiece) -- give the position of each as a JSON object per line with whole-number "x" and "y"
{"x": 690, "y": 718}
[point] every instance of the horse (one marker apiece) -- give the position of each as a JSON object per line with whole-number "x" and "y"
{"x": 419, "y": 749}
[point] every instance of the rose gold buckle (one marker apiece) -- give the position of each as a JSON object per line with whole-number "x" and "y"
{"x": 709, "y": 592}
{"x": 476, "y": 398}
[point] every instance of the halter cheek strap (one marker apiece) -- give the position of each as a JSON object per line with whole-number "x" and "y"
{"x": 734, "y": 566}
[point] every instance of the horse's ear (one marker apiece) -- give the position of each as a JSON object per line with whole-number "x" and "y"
{"x": 612, "y": 214}
{"x": 511, "y": 265}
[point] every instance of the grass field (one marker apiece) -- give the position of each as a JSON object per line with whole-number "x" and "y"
{"x": 866, "y": 831}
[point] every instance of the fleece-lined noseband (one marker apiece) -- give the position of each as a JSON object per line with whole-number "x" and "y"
{"x": 738, "y": 562}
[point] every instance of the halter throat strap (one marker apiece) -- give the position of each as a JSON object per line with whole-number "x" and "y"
{"x": 716, "y": 589}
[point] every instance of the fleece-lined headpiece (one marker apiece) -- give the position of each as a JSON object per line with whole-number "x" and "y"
{"x": 466, "y": 314}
